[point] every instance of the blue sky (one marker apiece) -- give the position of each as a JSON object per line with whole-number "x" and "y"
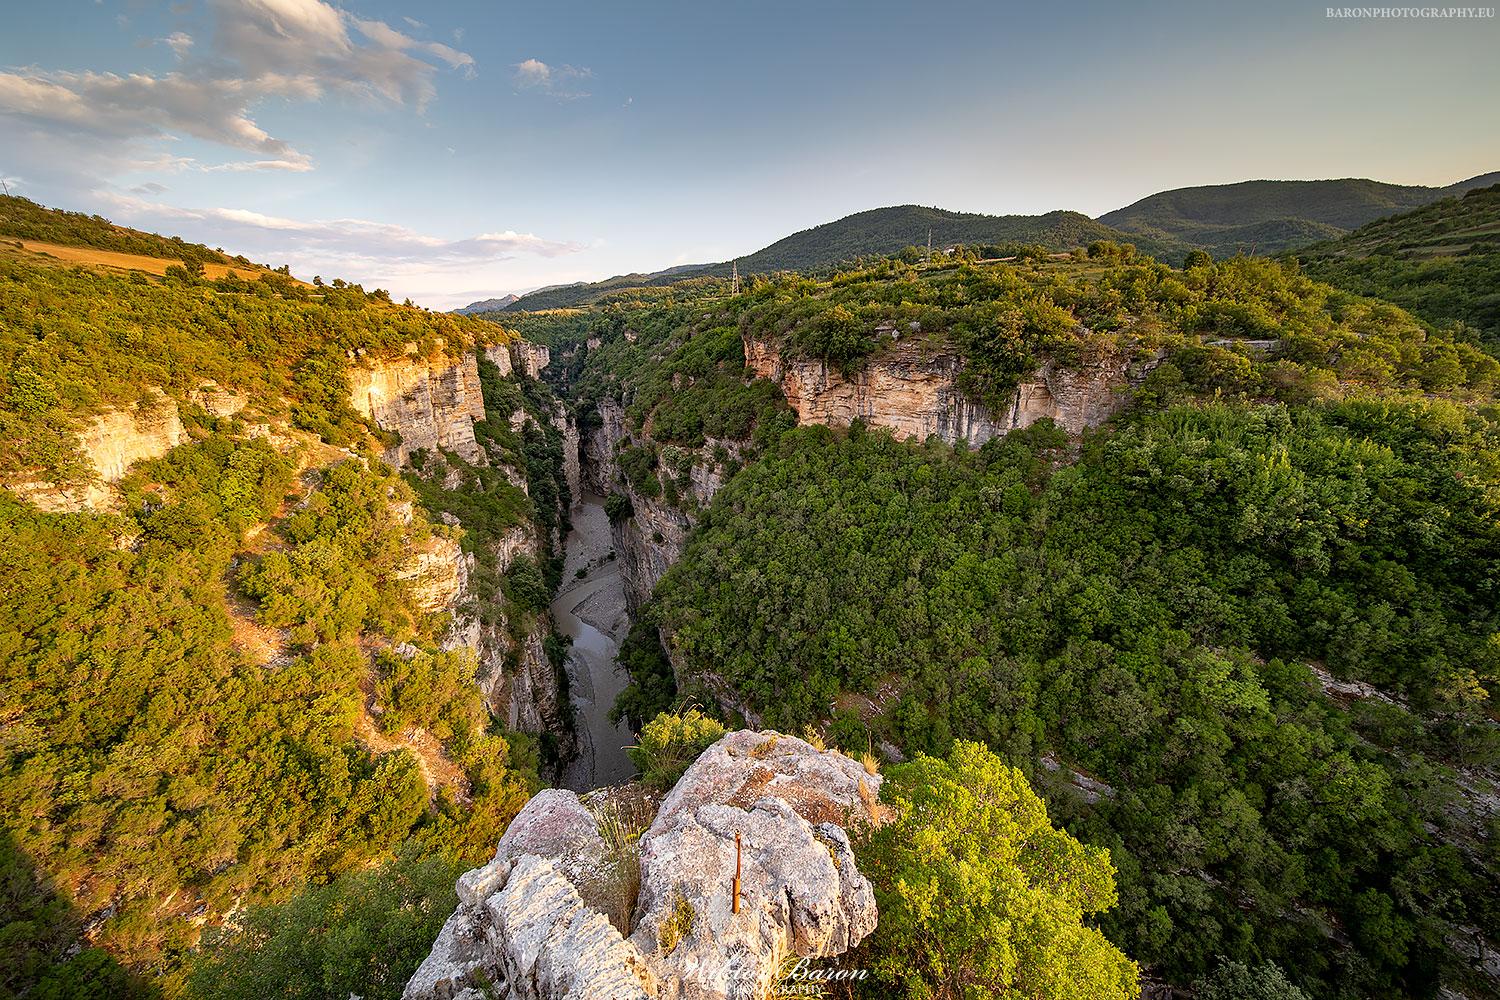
{"x": 453, "y": 151}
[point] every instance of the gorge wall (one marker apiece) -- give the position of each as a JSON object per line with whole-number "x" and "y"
{"x": 652, "y": 538}
{"x": 912, "y": 389}
{"x": 431, "y": 402}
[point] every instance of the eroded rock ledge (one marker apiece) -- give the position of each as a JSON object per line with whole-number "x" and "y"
{"x": 532, "y": 924}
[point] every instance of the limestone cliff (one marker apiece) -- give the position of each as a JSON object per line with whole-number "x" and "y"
{"x": 112, "y": 442}
{"x": 431, "y": 403}
{"x": 572, "y": 462}
{"x": 652, "y": 538}
{"x": 912, "y": 388}
{"x": 499, "y": 356}
{"x": 552, "y": 916}
{"x": 517, "y": 680}
{"x": 529, "y": 359}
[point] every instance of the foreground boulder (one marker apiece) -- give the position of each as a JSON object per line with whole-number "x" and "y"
{"x": 535, "y": 922}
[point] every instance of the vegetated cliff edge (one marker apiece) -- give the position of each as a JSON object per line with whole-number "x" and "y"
{"x": 912, "y": 388}
{"x": 568, "y": 908}
{"x": 432, "y": 404}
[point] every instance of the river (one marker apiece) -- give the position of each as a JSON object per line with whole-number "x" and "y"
{"x": 591, "y": 611}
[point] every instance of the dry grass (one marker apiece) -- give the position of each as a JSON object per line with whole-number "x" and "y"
{"x": 867, "y": 797}
{"x": 621, "y": 822}
{"x": 678, "y": 924}
{"x": 814, "y": 739}
{"x": 136, "y": 262}
{"x": 871, "y": 763}
{"x": 765, "y": 748}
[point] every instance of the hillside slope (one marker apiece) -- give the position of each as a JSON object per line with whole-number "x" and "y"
{"x": 1441, "y": 261}
{"x": 1268, "y": 216}
{"x": 245, "y": 654}
{"x": 878, "y": 232}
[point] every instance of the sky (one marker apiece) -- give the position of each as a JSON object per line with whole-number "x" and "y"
{"x": 458, "y": 151}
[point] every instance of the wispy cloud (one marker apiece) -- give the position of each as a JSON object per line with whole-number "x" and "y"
{"x": 368, "y": 244}
{"x": 563, "y": 82}
{"x": 179, "y": 42}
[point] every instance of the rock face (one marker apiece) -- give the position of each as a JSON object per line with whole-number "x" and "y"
{"x": 431, "y": 403}
{"x": 529, "y": 359}
{"x": 532, "y": 922}
{"x": 218, "y": 401}
{"x": 653, "y": 537}
{"x": 572, "y": 465}
{"x": 518, "y": 681}
{"x": 499, "y": 356}
{"x": 912, "y": 388}
{"x": 112, "y": 442}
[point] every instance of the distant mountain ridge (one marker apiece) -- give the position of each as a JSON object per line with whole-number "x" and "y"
{"x": 486, "y": 305}
{"x": 1266, "y": 217}
{"x": 1258, "y": 217}
{"x": 872, "y": 233}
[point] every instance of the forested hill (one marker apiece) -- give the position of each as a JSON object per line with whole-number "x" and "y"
{"x": 1251, "y": 217}
{"x": 23, "y": 219}
{"x": 227, "y": 684}
{"x": 1267, "y": 216}
{"x": 885, "y": 231}
{"x": 1441, "y": 261}
{"x": 879, "y": 232}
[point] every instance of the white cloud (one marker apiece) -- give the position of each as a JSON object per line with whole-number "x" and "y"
{"x": 179, "y": 42}
{"x": 557, "y": 81}
{"x": 432, "y": 270}
{"x": 293, "y": 49}
{"x": 344, "y": 240}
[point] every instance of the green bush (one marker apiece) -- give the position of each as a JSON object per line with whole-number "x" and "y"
{"x": 979, "y": 895}
{"x": 670, "y": 742}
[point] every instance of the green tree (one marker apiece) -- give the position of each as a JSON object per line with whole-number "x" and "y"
{"x": 1238, "y": 981}
{"x": 363, "y": 934}
{"x": 980, "y": 896}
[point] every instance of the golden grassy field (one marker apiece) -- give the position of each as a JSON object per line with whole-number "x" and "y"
{"x": 130, "y": 261}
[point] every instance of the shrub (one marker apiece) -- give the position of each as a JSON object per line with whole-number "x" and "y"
{"x": 672, "y": 741}
{"x": 979, "y": 895}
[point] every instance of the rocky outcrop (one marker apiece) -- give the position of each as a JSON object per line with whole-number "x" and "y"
{"x": 499, "y": 356}
{"x": 430, "y": 403}
{"x": 532, "y": 922}
{"x": 218, "y": 401}
{"x": 912, "y": 388}
{"x": 112, "y": 442}
{"x": 652, "y": 538}
{"x": 572, "y": 464}
{"x": 529, "y": 359}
